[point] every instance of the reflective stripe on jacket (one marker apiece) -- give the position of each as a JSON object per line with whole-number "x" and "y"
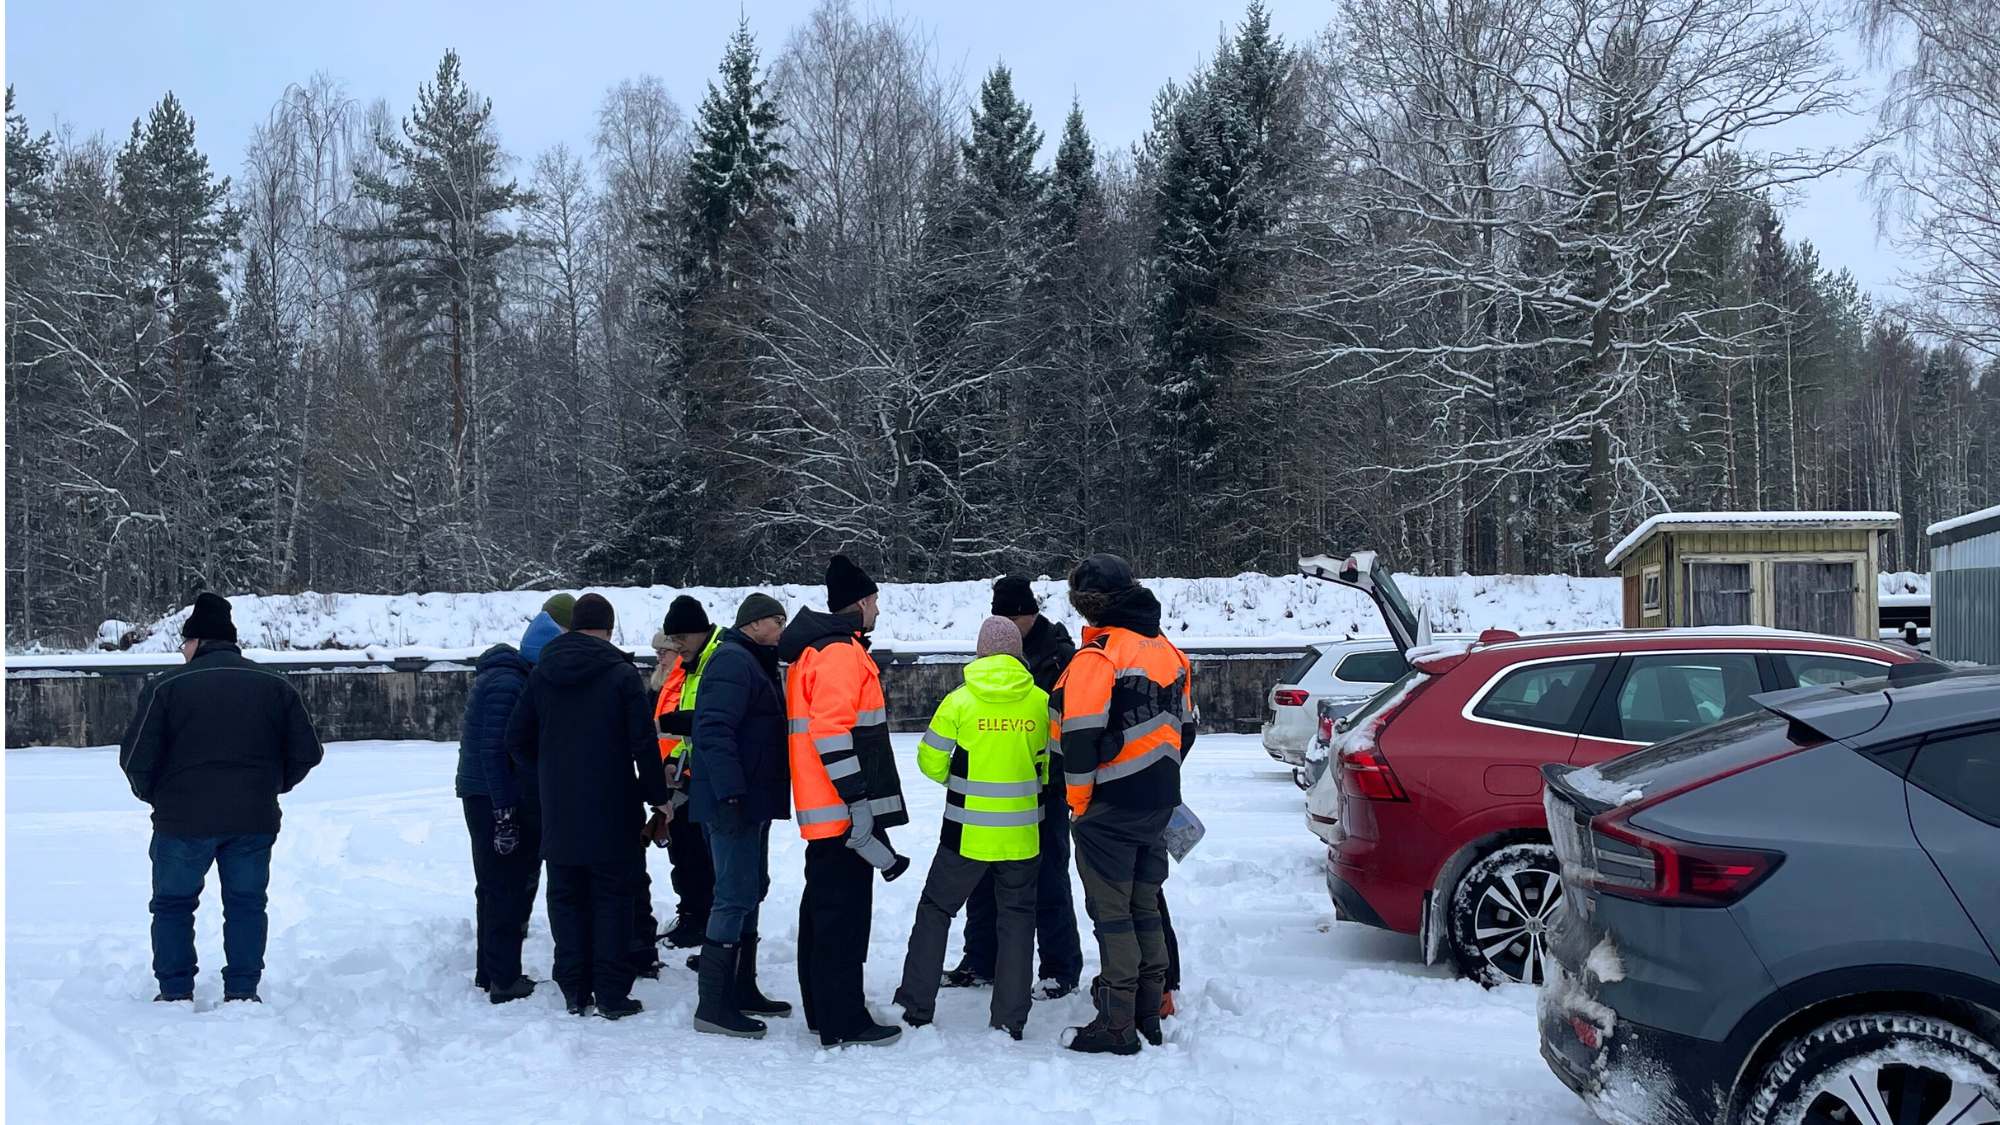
{"x": 1120, "y": 713}
{"x": 839, "y": 736}
{"x": 988, "y": 744}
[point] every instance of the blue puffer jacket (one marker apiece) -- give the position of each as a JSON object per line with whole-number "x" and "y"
{"x": 497, "y": 682}
{"x": 739, "y": 734}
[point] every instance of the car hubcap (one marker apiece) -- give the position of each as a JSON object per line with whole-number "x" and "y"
{"x": 1511, "y": 921}
{"x": 1883, "y": 1092}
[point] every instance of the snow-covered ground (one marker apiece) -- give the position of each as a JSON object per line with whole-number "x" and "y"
{"x": 1285, "y": 608}
{"x": 1287, "y": 1015}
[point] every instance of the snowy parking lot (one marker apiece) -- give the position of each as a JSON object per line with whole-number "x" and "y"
{"x": 371, "y": 1015}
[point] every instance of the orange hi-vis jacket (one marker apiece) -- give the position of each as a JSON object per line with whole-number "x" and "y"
{"x": 676, "y": 695}
{"x": 839, "y": 729}
{"x": 1124, "y": 713}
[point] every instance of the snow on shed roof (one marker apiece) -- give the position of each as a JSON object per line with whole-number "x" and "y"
{"x": 1883, "y": 520}
{"x": 1966, "y": 520}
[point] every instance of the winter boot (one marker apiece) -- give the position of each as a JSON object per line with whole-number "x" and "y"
{"x": 1148, "y": 1005}
{"x": 577, "y": 1003}
{"x": 964, "y": 977}
{"x": 619, "y": 1009}
{"x": 174, "y": 998}
{"x": 241, "y": 998}
{"x": 871, "y": 1035}
{"x": 715, "y": 1011}
{"x": 520, "y": 988}
{"x": 1111, "y": 1033}
{"x": 750, "y": 1000}
{"x": 687, "y": 931}
{"x": 1053, "y": 989}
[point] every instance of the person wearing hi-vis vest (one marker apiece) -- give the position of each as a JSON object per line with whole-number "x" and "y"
{"x": 691, "y": 639}
{"x": 846, "y": 793}
{"x": 988, "y": 744}
{"x": 1124, "y": 716}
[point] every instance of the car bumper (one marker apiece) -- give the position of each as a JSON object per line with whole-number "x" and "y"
{"x": 1286, "y": 745}
{"x": 1348, "y": 904}
{"x": 1626, "y": 1072}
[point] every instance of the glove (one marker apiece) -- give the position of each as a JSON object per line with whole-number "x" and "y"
{"x": 506, "y": 834}
{"x": 677, "y": 722}
{"x": 862, "y": 819}
{"x": 655, "y": 830}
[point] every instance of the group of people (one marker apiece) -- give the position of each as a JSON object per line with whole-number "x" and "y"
{"x": 566, "y": 748}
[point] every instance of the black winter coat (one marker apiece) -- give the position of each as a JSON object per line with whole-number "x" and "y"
{"x": 484, "y": 769}
{"x": 739, "y": 734}
{"x": 213, "y": 744}
{"x": 1046, "y": 651}
{"x": 585, "y": 725}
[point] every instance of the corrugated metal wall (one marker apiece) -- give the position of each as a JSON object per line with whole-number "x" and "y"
{"x": 1965, "y": 599}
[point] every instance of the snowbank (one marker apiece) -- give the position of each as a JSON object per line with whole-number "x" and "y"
{"x": 1283, "y": 608}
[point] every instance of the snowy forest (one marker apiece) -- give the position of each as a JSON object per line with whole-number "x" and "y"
{"x": 1479, "y": 283}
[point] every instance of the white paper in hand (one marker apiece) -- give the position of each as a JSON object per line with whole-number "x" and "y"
{"x": 1184, "y": 831}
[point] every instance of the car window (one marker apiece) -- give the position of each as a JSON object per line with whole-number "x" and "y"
{"x": 1669, "y": 694}
{"x": 1384, "y": 667}
{"x": 1297, "y": 672}
{"x": 1541, "y": 695}
{"x": 1963, "y": 769}
{"x": 1816, "y": 669}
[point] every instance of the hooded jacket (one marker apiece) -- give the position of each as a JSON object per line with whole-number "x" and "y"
{"x": 585, "y": 726}
{"x": 1124, "y": 710}
{"x": 483, "y": 769}
{"x": 988, "y": 745}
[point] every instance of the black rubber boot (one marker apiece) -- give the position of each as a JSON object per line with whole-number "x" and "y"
{"x": 873, "y": 1035}
{"x": 715, "y": 1011}
{"x": 750, "y": 1000}
{"x": 619, "y": 1009}
{"x": 520, "y": 988}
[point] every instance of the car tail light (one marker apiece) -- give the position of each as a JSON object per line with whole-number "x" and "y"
{"x": 1631, "y": 862}
{"x": 1371, "y": 775}
{"x": 1289, "y": 697}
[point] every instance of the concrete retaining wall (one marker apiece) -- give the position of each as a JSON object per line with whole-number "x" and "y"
{"x": 352, "y": 703}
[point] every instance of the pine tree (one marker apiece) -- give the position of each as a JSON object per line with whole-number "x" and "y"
{"x": 1074, "y": 193}
{"x": 1001, "y": 181}
{"x": 736, "y": 176}
{"x": 434, "y": 255}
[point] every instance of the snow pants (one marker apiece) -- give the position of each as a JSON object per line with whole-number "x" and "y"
{"x": 1055, "y": 909}
{"x": 1123, "y": 861}
{"x": 834, "y": 917}
{"x": 952, "y": 878}
{"x": 590, "y": 914}
{"x": 503, "y": 889}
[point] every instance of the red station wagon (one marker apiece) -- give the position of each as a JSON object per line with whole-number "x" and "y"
{"x": 1434, "y": 789}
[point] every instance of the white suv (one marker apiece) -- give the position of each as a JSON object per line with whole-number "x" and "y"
{"x": 1344, "y": 674}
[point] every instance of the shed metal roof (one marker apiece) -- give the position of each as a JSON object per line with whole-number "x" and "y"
{"x": 1749, "y": 521}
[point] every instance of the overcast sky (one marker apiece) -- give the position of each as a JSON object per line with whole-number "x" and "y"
{"x": 97, "y": 64}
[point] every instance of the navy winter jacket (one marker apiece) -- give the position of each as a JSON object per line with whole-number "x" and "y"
{"x": 739, "y": 734}
{"x": 483, "y": 768}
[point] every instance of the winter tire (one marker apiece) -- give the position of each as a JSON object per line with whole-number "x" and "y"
{"x": 1501, "y": 913}
{"x": 1891, "y": 1067}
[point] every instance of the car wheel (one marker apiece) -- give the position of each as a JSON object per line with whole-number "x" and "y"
{"x": 1501, "y": 913}
{"x": 1888, "y": 1067}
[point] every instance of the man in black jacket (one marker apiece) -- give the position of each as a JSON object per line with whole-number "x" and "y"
{"x": 211, "y": 747}
{"x": 585, "y": 725}
{"x": 741, "y": 783}
{"x": 1045, "y": 648}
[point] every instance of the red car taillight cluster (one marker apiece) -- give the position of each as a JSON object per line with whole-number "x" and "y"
{"x": 1362, "y": 762}
{"x": 1633, "y": 863}
{"x": 1289, "y": 697}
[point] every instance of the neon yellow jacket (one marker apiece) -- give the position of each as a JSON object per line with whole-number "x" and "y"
{"x": 988, "y": 745}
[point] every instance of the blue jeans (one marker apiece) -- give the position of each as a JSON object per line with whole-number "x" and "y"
{"x": 180, "y": 867}
{"x": 741, "y": 849}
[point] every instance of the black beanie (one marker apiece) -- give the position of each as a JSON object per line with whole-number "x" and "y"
{"x": 846, "y": 583}
{"x": 1014, "y": 597}
{"x": 685, "y": 616}
{"x": 210, "y": 619}
{"x": 1101, "y": 574}
{"x": 592, "y": 612}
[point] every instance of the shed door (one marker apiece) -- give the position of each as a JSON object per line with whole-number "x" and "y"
{"x": 1817, "y": 597}
{"x": 1719, "y": 594}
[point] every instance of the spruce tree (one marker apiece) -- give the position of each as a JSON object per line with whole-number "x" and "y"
{"x": 246, "y": 437}
{"x": 736, "y": 175}
{"x": 1002, "y": 183}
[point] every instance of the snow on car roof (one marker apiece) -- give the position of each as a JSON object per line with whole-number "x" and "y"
{"x": 1695, "y": 634}
{"x": 1685, "y": 519}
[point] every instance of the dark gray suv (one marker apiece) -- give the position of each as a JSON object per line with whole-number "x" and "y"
{"x": 1790, "y": 917}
